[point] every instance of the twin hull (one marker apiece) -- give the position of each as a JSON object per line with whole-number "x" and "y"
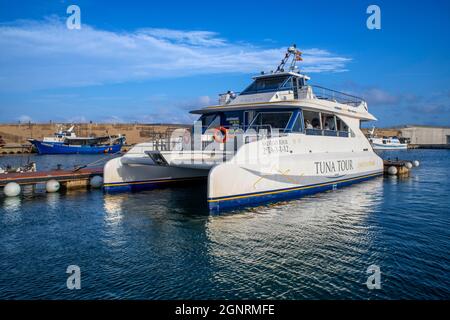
{"x": 260, "y": 172}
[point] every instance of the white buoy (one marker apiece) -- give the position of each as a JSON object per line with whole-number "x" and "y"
{"x": 392, "y": 170}
{"x": 12, "y": 189}
{"x": 408, "y": 165}
{"x": 96, "y": 182}
{"x": 416, "y": 163}
{"x": 52, "y": 186}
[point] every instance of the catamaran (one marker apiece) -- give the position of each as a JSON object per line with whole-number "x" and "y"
{"x": 280, "y": 138}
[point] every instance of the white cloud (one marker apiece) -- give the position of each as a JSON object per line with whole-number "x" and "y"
{"x": 112, "y": 119}
{"x": 377, "y": 96}
{"x": 46, "y": 55}
{"x": 204, "y": 100}
{"x": 25, "y": 118}
{"x": 77, "y": 119}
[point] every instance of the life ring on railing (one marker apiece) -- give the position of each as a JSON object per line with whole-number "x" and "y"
{"x": 223, "y": 134}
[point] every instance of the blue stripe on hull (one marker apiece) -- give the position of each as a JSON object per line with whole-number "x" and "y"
{"x": 131, "y": 187}
{"x": 223, "y": 204}
{"x": 148, "y": 184}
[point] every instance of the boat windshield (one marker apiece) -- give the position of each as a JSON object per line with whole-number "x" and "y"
{"x": 269, "y": 84}
{"x": 272, "y": 120}
{"x": 210, "y": 120}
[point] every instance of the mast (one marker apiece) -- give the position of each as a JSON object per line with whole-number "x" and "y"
{"x": 292, "y": 53}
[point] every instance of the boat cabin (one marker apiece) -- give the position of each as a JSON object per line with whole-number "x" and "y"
{"x": 282, "y": 120}
{"x": 274, "y": 82}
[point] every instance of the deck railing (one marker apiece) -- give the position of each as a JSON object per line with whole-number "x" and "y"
{"x": 337, "y": 96}
{"x": 236, "y": 137}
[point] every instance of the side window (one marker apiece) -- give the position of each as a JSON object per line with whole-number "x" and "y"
{"x": 249, "y": 116}
{"x": 329, "y": 124}
{"x": 312, "y": 123}
{"x": 207, "y": 119}
{"x": 215, "y": 123}
{"x": 210, "y": 121}
{"x": 273, "y": 120}
{"x": 326, "y": 124}
{"x": 232, "y": 119}
{"x": 298, "y": 123}
{"x": 343, "y": 128}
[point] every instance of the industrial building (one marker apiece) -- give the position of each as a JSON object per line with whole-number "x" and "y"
{"x": 426, "y": 136}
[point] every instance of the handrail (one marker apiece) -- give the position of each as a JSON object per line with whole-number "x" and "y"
{"x": 167, "y": 143}
{"x": 338, "y": 96}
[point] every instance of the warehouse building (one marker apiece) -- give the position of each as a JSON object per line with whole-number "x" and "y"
{"x": 427, "y": 136}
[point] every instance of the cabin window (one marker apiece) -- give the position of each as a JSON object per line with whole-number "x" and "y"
{"x": 343, "y": 129}
{"x": 326, "y": 124}
{"x": 232, "y": 119}
{"x": 210, "y": 120}
{"x": 249, "y": 116}
{"x": 298, "y": 127}
{"x": 312, "y": 123}
{"x": 329, "y": 125}
{"x": 267, "y": 84}
{"x": 271, "y": 120}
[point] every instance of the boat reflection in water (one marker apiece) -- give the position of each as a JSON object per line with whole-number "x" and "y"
{"x": 53, "y": 200}
{"x": 275, "y": 251}
{"x": 293, "y": 239}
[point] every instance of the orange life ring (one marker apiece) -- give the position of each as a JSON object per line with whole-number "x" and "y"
{"x": 224, "y": 134}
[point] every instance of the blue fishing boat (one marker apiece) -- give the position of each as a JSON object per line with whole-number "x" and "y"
{"x": 66, "y": 142}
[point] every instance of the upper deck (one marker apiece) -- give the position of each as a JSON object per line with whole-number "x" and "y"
{"x": 281, "y": 88}
{"x": 290, "y": 86}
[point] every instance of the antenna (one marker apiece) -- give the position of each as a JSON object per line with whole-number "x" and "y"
{"x": 295, "y": 54}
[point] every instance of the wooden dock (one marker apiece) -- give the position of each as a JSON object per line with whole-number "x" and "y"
{"x": 68, "y": 179}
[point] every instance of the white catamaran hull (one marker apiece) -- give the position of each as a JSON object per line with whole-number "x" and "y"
{"x": 263, "y": 171}
{"x": 122, "y": 176}
{"x": 290, "y": 167}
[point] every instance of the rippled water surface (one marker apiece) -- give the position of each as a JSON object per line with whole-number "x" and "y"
{"x": 163, "y": 244}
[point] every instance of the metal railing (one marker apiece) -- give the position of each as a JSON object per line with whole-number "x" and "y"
{"x": 328, "y": 133}
{"x": 236, "y": 135}
{"x": 318, "y": 92}
{"x": 336, "y": 96}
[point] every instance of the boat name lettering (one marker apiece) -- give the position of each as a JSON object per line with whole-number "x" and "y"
{"x": 323, "y": 167}
{"x": 274, "y": 146}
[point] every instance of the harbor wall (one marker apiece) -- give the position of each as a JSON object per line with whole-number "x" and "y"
{"x": 17, "y": 134}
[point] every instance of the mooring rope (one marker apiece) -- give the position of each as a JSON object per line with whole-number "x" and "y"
{"x": 98, "y": 160}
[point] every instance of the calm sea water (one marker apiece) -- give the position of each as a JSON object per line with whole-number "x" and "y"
{"x": 163, "y": 244}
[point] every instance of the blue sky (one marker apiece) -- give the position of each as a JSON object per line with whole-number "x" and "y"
{"x": 153, "y": 62}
